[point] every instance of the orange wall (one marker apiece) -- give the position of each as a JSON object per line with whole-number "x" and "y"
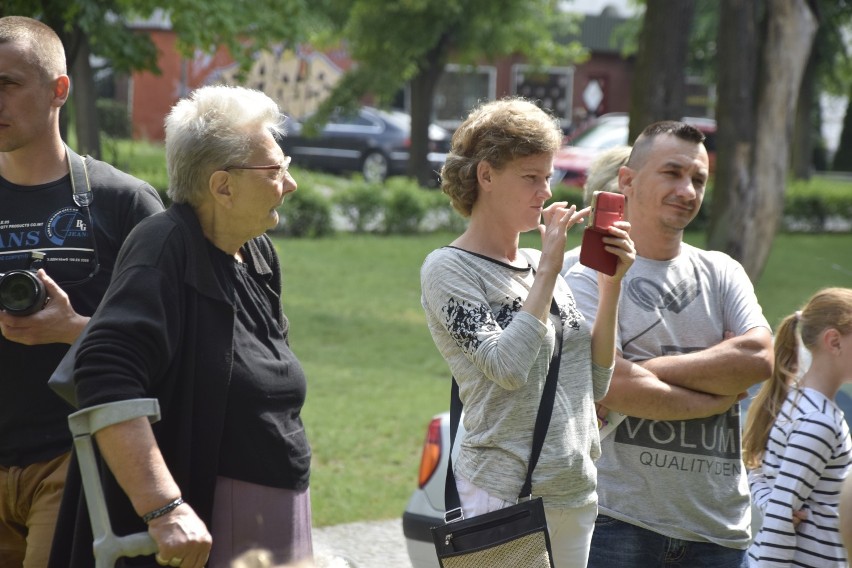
{"x": 299, "y": 80}
{"x": 152, "y": 96}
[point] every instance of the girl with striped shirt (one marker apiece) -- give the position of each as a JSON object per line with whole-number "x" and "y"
{"x": 796, "y": 443}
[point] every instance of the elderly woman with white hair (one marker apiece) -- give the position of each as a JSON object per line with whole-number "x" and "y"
{"x": 193, "y": 318}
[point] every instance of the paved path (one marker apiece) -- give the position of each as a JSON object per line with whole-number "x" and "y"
{"x": 371, "y": 544}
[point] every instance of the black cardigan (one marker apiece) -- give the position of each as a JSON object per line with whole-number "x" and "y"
{"x": 169, "y": 327}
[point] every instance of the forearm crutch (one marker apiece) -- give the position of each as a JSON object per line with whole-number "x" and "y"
{"x": 84, "y": 424}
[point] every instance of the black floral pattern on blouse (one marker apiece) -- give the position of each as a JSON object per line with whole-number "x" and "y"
{"x": 569, "y": 314}
{"x": 465, "y": 320}
{"x": 507, "y": 311}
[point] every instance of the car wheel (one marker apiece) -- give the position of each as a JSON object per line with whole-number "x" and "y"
{"x": 375, "y": 167}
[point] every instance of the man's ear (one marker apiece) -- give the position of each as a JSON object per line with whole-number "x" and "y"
{"x": 220, "y": 188}
{"x": 625, "y": 180}
{"x": 61, "y": 90}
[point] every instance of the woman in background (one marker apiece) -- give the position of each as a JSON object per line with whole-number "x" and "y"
{"x": 602, "y": 176}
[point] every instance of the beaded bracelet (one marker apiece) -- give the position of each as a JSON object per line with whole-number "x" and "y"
{"x": 164, "y": 510}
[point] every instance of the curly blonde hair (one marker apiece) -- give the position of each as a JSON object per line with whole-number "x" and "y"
{"x": 497, "y": 132}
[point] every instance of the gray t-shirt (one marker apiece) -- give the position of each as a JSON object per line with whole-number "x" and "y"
{"x": 500, "y": 357}
{"x": 681, "y": 478}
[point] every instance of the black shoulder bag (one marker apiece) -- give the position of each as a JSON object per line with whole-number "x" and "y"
{"x": 516, "y": 535}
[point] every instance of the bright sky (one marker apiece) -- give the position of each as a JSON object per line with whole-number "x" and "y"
{"x": 623, "y": 7}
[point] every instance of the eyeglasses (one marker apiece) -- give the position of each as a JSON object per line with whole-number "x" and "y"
{"x": 281, "y": 168}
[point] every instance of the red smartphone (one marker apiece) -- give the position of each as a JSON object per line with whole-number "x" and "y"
{"x": 607, "y": 208}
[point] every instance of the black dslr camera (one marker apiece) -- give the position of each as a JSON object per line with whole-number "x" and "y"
{"x": 21, "y": 291}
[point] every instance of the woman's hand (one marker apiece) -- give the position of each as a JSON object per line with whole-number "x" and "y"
{"x": 182, "y": 538}
{"x": 620, "y": 244}
{"x": 557, "y": 219}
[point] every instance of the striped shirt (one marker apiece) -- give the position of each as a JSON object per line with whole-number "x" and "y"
{"x": 806, "y": 459}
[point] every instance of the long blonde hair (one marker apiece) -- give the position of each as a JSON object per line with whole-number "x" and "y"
{"x": 828, "y": 308}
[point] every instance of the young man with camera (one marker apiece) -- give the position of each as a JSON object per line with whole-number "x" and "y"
{"x": 46, "y": 225}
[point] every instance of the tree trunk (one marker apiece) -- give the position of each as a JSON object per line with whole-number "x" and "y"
{"x": 842, "y": 161}
{"x": 422, "y": 93}
{"x": 751, "y": 175}
{"x": 83, "y": 91}
{"x": 422, "y": 99}
{"x": 658, "y": 91}
{"x": 737, "y": 59}
{"x": 802, "y": 152}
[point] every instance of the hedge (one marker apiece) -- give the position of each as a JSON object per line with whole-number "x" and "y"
{"x": 403, "y": 207}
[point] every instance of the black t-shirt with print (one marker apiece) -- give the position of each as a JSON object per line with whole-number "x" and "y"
{"x": 80, "y": 247}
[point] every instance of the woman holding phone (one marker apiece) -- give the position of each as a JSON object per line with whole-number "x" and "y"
{"x": 488, "y": 308}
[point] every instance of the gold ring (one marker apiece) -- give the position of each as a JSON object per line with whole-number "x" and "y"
{"x": 160, "y": 560}
{"x": 175, "y": 562}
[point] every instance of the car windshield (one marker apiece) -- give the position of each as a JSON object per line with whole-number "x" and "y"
{"x": 602, "y": 136}
{"x": 399, "y": 119}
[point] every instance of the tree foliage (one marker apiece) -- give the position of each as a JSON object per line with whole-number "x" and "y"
{"x": 834, "y": 61}
{"x": 101, "y": 27}
{"x": 392, "y": 41}
{"x": 242, "y": 28}
{"x": 410, "y": 41}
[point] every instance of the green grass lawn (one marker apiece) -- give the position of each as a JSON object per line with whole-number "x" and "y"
{"x": 375, "y": 377}
{"x": 798, "y": 266}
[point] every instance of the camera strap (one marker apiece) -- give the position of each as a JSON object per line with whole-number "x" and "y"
{"x": 83, "y": 195}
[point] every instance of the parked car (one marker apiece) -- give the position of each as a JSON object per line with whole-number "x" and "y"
{"x": 572, "y": 161}
{"x": 371, "y": 141}
{"x": 425, "y": 508}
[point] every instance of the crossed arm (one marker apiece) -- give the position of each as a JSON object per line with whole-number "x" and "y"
{"x": 691, "y": 385}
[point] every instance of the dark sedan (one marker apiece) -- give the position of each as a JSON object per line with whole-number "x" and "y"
{"x": 371, "y": 141}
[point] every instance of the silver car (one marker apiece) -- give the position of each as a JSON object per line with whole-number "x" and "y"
{"x": 425, "y": 508}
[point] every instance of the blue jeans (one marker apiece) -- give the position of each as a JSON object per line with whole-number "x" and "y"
{"x": 616, "y": 543}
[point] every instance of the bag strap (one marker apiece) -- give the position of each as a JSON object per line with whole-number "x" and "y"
{"x": 545, "y": 406}
{"x": 452, "y": 502}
